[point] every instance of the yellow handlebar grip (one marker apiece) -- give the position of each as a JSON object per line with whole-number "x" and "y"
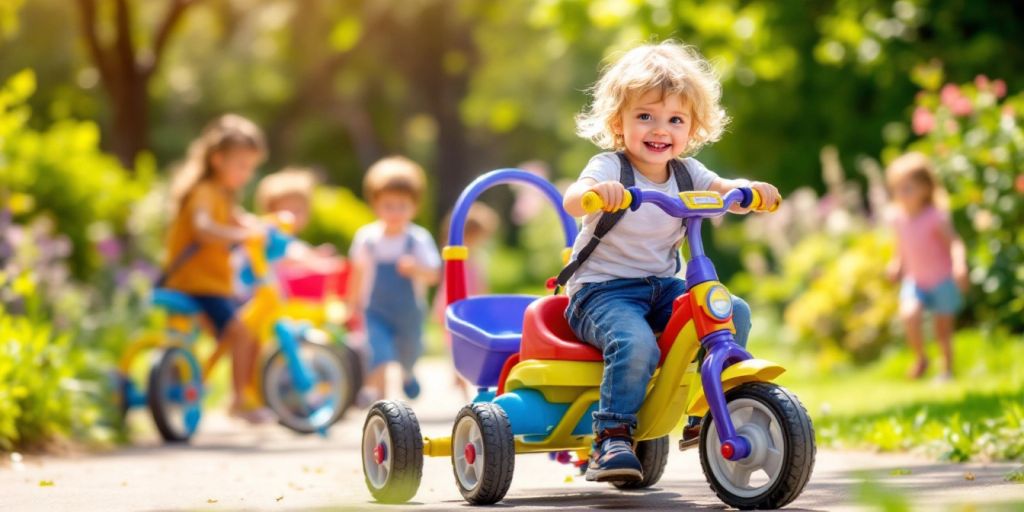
{"x": 757, "y": 204}
{"x": 592, "y": 202}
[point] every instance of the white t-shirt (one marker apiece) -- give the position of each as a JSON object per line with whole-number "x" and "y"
{"x": 370, "y": 247}
{"x": 643, "y": 243}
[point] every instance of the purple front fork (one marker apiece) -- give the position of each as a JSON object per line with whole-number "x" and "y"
{"x": 722, "y": 352}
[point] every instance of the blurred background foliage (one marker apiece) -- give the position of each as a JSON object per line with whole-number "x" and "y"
{"x": 101, "y": 97}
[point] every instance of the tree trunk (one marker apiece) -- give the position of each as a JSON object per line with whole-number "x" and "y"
{"x": 130, "y": 129}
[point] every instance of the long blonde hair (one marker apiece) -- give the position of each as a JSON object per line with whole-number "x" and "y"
{"x": 668, "y": 67}
{"x": 223, "y": 133}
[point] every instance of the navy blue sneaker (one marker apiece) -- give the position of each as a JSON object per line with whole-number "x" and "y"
{"x": 613, "y": 459}
{"x": 411, "y": 387}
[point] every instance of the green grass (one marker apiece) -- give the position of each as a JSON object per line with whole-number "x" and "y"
{"x": 978, "y": 415}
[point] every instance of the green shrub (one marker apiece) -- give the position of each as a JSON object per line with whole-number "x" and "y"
{"x": 975, "y": 135}
{"x": 848, "y": 303}
{"x": 819, "y": 262}
{"x": 35, "y": 368}
{"x": 62, "y": 174}
{"x": 336, "y": 215}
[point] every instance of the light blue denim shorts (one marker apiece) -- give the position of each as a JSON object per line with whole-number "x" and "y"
{"x": 943, "y": 298}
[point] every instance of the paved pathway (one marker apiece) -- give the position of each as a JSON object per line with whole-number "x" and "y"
{"x": 231, "y": 466}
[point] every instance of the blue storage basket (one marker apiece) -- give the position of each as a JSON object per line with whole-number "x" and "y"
{"x": 485, "y": 330}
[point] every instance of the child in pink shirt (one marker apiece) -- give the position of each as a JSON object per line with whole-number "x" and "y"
{"x": 929, "y": 258}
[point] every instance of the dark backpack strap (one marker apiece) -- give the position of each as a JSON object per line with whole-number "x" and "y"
{"x": 604, "y": 225}
{"x": 682, "y": 174}
{"x": 685, "y": 183}
{"x": 179, "y": 261}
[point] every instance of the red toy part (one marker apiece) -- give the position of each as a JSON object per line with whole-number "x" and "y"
{"x": 301, "y": 283}
{"x": 547, "y": 335}
{"x": 682, "y": 312}
{"x": 509, "y": 363}
{"x": 705, "y": 323}
{"x": 454, "y": 280}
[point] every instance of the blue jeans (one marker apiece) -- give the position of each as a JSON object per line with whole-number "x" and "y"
{"x": 620, "y": 317}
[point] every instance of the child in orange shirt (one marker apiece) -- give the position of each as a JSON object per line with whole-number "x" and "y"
{"x": 208, "y": 221}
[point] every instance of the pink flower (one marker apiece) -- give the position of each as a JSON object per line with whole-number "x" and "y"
{"x": 962, "y": 106}
{"x": 999, "y": 88}
{"x": 981, "y": 82}
{"x": 949, "y": 95}
{"x": 1019, "y": 182}
{"x": 923, "y": 121}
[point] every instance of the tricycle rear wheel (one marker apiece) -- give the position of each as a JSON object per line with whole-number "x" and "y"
{"x": 483, "y": 453}
{"x": 653, "y": 455}
{"x": 782, "y": 448}
{"x": 392, "y": 452}
{"x": 318, "y": 408}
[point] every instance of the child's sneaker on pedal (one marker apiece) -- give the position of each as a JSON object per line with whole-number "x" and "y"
{"x": 691, "y": 433}
{"x": 691, "y": 436}
{"x": 613, "y": 459}
{"x": 411, "y": 387}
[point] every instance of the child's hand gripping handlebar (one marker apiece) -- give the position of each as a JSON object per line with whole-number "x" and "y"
{"x": 687, "y": 204}
{"x": 592, "y": 202}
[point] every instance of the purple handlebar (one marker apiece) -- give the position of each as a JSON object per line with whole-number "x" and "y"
{"x": 674, "y": 206}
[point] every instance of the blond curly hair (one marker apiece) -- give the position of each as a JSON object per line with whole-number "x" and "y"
{"x": 669, "y": 67}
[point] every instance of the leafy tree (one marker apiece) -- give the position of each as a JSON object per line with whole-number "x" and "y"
{"x": 126, "y": 67}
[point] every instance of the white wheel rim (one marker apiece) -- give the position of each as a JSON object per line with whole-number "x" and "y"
{"x": 318, "y": 406}
{"x": 376, "y": 435}
{"x": 468, "y": 470}
{"x": 757, "y": 473}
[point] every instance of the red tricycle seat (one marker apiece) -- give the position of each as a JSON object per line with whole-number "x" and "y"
{"x": 547, "y": 335}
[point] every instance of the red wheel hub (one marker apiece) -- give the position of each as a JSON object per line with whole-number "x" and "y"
{"x": 728, "y": 451}
{"x": 380, "y": 453}
{"x": 191, "y": 394}
{"x": 470, "y": 453}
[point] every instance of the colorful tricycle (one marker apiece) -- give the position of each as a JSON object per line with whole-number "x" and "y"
{"x": 305, "y": 382}
{"x": 539, "y": 384}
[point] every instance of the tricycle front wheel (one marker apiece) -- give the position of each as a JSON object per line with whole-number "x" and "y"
{"x": 782, "y": 448}
{"x": 175, "y": 393}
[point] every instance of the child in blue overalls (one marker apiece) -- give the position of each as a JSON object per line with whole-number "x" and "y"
{"x": 393, "y": 262}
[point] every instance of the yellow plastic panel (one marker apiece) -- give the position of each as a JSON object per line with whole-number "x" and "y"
{"x": 751, "y": 370}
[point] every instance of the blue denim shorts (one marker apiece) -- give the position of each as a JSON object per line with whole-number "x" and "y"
{"x": 220, "y": 310}
{"x": 943, "y": 298}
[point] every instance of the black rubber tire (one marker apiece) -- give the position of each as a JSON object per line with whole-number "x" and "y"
{"x": 278, "y": 357}
{"x": 498, "y": 452}
{"x": 355, "y": 366}
{"x": 407, "y": 452}
{"x": 155, "y": 396}
{"x": 798, "y": 456}
{"x": 653, "y": 455}
{"x": 122, "y": 388}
